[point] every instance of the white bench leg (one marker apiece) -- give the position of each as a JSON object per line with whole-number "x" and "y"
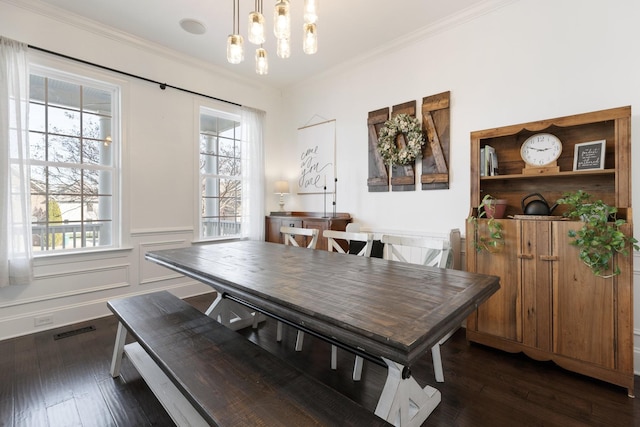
{"x": 334, "y": 357}
{"x": 299, "y": 340}
{"x": 437, "y": 363}
{"x": 357, "y": 368}
{"x": 279, "y": 331}
{"x": 118, "y": 351}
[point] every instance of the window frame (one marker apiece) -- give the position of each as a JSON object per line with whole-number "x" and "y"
{"x": 73, "y": 73}
{"x": 227, "y": 113}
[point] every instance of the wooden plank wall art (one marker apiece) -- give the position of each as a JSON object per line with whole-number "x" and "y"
{"x": 393, "y": 172}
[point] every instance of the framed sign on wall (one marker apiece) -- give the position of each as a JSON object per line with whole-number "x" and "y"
{"x": 589, "y": 155}
{"x": 317, "y": 158}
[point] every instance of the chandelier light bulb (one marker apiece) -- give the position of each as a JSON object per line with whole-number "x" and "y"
{"x": 262, "y": 63}
{"x": 282, "y": 20}
{"x": 256, "y": 28}
{"x": 284, "y": 48}
{"x": 311, "y": 11}
{"x": 235, "y": 49}
{"x": 310, "y": 39}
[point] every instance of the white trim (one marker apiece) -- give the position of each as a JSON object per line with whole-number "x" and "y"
{"x": 15, "y": 326}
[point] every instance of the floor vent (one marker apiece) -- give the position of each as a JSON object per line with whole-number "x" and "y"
{"x": 74, "y": 332}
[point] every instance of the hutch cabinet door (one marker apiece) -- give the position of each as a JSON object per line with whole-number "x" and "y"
{"x": 499, "y": 315}
{"x": 536, "y": 266}
{"x": 584, "y": 305}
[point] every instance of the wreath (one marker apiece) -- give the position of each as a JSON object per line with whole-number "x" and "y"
{"x": 410, "y": 128}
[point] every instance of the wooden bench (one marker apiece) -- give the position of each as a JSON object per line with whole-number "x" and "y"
{"x": 206, "y": 374}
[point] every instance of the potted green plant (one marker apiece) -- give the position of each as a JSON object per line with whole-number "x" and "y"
{"x": 600, "y": 237}
{"x": 493, "y": 240}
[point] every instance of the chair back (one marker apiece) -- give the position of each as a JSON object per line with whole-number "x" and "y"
{"x": 290, "y": 234}
{"x": 436, "y": 252}
{"x": 332, "y": 244}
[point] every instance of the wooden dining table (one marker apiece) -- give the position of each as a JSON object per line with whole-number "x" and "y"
{"x": 389, "y": 312}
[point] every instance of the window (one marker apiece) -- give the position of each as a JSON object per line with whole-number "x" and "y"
{"x": 220, "y": 175}
{"x": 74, "y": 166}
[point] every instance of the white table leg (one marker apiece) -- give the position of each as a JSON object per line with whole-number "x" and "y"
{"x": 403, "y": 402}
{"x": 233, "y": 315}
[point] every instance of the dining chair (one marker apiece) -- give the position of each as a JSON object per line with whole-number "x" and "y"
{"x": 334, "y": 235}
{"x": 426, "y": 251}
{"x": 332, "y": 244}
{"x": 290, "y": 234}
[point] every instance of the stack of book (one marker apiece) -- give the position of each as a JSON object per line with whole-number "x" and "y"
{"x": 488, "y": 161}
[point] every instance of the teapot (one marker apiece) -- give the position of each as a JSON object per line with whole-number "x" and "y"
{"x": 538, "y": 206}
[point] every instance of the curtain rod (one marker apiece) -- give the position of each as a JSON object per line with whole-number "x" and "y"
{"x": 163, "y": 86}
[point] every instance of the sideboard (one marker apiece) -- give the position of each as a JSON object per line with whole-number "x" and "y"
{"x": 275, "y": 220}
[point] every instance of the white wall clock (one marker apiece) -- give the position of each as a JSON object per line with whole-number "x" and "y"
{"x": 541, "y": 149}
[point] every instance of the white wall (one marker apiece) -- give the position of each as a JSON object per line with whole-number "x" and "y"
{"x": 160, "y": 190}
{"x": 520, "y": 61}
{"x": 504, "y": 62}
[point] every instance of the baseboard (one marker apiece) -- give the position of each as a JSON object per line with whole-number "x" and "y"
{"x": 74, "y": 312}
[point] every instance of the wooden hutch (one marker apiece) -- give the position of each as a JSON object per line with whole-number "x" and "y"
{"x": 550, "y": 305}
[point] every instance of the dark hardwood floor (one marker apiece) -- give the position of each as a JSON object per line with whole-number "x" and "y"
{"x": 66, "y": 382}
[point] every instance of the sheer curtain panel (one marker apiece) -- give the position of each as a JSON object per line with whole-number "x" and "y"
{"x": 253, "y": 172}
{"x": 16, "y": 261}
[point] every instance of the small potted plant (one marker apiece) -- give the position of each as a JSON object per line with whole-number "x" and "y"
{"x": 493, "y": 241}
{"x": 600, "y": 237}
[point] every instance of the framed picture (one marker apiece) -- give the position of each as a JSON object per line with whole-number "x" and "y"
{"x": 589, "y": 155}
{"x": 317, "y": 158}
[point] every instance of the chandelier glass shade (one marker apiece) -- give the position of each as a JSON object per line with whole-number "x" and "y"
{"x": 310, "y": 39}
{"x": 284, "y": 48}
{"x": 282, "y": 20}
{"x": 235, "y": 49}
{"x": 262, "y": 62}
{"x": 256, "y": 32}
{"x": 256, "y": 28}
{"x": 235, "y": 42}
{"x": 310, "y": 11}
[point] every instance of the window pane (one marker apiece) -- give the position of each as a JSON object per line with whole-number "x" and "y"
{"x": 96, "y": 101}
{"x": 36, "y": 117}
{"x": 37, "y": 146}
{"x": 36, "y": 89}
{"x": 64, "y": 122}
{"x": 64, "y": 149}
{"x": 63, "y": 93}
{"x": 63, "y": 180}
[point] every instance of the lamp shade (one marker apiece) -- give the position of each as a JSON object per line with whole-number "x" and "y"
{"x": 282, "y": 187}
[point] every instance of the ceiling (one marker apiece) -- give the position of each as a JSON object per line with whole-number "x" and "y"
{"x": 347, "y": 29}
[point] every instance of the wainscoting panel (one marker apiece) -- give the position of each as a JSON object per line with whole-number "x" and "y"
{"x": 150, "y": 272}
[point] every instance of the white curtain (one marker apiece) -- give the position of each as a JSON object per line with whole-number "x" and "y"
{"x": 16, "y": 261}
{"x": 252, "y": 122}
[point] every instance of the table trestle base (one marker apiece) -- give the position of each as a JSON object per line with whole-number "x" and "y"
{"x": 233, "y": 315}
{"x": 403, "y": 402}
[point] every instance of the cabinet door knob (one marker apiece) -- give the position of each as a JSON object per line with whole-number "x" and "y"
{"x": 525, "y": 256}
{"x": 548, "y": 257}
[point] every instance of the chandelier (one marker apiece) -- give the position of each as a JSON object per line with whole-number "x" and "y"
{"x": 256, "y": 32}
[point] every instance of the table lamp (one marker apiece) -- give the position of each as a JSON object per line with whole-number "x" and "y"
{"x": 282, "y": 188}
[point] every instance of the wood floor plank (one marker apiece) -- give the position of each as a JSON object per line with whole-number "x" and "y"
{"x": 483, "y": 386}
{"x": 64, "y": 414}
{"x": 122, "y": 403}
{"x": 93, "y": 410}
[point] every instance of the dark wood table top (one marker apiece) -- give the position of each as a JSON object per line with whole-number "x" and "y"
{"x": 387, "y": 308}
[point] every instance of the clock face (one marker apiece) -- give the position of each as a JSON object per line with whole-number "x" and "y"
{"x": 541, "y": 149}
